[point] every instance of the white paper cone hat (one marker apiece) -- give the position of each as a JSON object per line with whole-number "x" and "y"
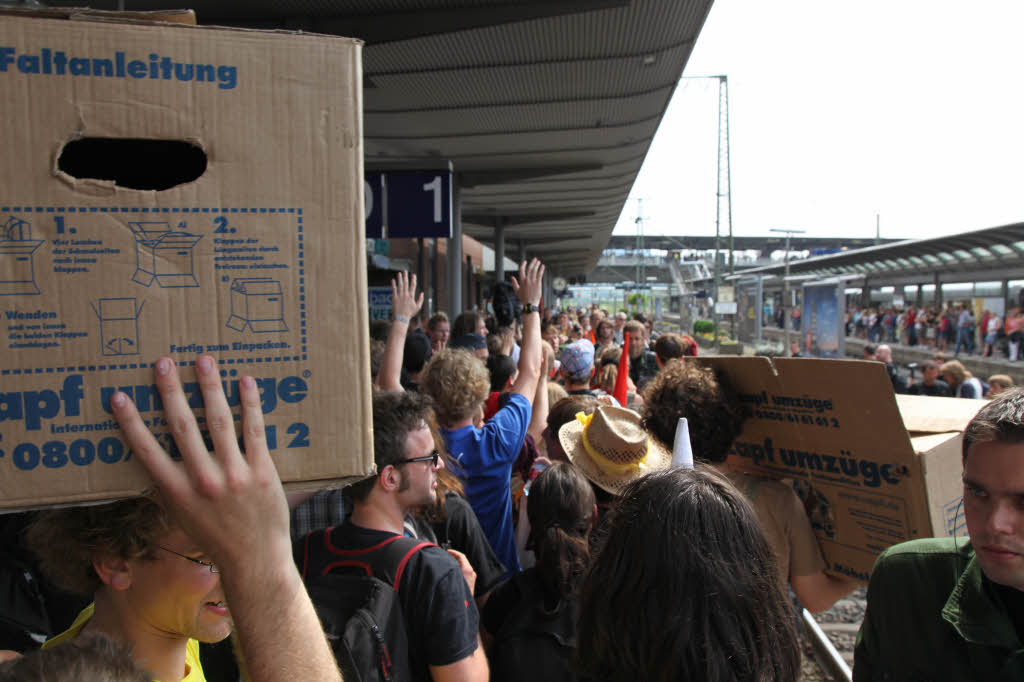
{"x": 682, "y": 453}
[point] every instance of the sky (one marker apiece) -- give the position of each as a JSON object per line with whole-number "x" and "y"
{"x": 840, "y": 111}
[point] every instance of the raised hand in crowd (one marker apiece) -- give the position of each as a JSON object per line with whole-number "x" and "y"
{"x": 405, "y": 304}
{"x": 232, "y": 504}
{"x": 404, "y": 301}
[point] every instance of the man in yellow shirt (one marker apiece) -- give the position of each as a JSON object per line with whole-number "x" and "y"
{"x": 152, "y": 587}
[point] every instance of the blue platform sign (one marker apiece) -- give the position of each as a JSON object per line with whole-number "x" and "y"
{"x": 373, "y": 198}
{"x": 419, "y": 204}
{"x": 408, "y": 204}
{"x": 380, "y": 303}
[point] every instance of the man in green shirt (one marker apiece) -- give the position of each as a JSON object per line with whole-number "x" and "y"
{"x": 953, "y": 608}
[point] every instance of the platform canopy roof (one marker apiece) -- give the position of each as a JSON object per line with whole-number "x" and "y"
{"x": 545, "y": 108}
{"x": 992, "y": 253}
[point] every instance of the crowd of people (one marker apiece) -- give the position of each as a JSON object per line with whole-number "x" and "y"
{"x": 940, "y": 377}
{"x": 525, "y": 518}
{"x": 953, "y": 328}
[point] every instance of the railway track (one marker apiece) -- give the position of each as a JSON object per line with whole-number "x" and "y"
{"x": 829, "y": 639}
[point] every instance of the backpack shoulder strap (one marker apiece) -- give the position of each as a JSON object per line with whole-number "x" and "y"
{"x": 385, "y": 560}
{"x": 388, "y": 562}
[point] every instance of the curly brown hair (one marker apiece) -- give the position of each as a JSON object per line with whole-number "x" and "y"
{"x": 67, "y": 541}
{"x": 707, "y": 400}
{"x": 458, "y": 382}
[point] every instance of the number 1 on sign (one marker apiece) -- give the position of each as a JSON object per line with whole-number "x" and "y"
{"x": 435, "y": 187}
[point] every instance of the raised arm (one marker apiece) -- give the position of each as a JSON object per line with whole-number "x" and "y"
{"x": 233, "y": 506}
{"x": 405, "y": 304}
{"x": 539, "y": 416}
{"x": 528, "y": 288}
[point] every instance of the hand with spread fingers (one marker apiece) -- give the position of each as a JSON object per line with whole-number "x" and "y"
{"x": 231, "y": 504}
{"x": 404, "y": 302}
{"x": 531, "y": 278}
{"x": 227, "y": 501}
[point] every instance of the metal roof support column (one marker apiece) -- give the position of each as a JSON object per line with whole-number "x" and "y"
{"x": 435, "y": 278}
{"x": 522, "y": 250}
{"x": 421, "y": 265}
{"x": 499, "y": 249}
{"x": 938, "y": 290}
{"x": 455, "y": 252}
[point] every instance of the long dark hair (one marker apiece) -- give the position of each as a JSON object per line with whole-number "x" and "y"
{"x": 560, "y": 510}
{"x": 684, "y": 587}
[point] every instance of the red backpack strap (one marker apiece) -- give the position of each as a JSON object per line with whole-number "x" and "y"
{"x": 388, "y": 561}
{"x": 310, "y": 546}
{"x": 385, "y": 560}
{"x": 405, "y": 560}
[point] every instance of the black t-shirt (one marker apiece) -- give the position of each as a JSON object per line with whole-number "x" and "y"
{"x": 643, "y": 369}
{"x": 461, "y": 530}
{"x": 534, "y": 632}
{"x": 441, "y": 619}
{"x": 899, "y": 384}
{"x": 939, "y": 389}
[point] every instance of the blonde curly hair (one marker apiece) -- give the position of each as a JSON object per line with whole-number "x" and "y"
{"x": 458, "y": 382}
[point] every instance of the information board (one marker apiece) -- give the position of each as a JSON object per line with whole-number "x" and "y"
{"x": 823, "y": 334}
{"x": 408, "y": 204}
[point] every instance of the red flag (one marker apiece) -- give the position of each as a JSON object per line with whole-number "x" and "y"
{"x": 622, "y": 378}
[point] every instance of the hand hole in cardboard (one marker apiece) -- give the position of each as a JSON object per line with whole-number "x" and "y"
{"x": 133, "y": 163}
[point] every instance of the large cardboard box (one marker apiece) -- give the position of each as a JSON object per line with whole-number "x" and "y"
{"x": 874, "y": 469}
{"x": 251, "y": 249}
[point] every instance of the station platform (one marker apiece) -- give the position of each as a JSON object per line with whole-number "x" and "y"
{"x": 977, "y": 365}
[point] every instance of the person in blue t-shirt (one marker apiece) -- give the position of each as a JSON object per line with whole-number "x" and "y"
{"x": 459, "y": 384}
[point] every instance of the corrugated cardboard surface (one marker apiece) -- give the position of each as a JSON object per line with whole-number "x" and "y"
{"x": 834, "y": 427}
{"x": 942, "y": 463}
{"x": 86, "y": 310}
{"x": 924, "y": 414}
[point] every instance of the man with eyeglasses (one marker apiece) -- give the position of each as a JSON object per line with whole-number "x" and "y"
{"x": 152, "y": 587}
{"x": 436, "y": 586}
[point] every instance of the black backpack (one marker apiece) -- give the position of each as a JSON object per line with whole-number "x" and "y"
{"x": 355, "y": 593}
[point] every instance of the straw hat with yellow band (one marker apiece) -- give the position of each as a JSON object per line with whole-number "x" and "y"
{"x": 611, "y": 448}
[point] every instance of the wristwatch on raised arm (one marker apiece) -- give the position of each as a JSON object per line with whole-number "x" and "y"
{"x": 530, "y": 308}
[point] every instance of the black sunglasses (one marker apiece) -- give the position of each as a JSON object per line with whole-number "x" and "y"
{"x": 432, "y": 458}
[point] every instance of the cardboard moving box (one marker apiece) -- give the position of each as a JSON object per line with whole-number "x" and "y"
{"x": 874, "y": 469}
{"x": 98, "y": 280}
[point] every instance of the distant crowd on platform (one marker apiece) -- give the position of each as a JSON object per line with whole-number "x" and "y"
{"x": 952, "y": 329}
{"x": 939, "y": 377}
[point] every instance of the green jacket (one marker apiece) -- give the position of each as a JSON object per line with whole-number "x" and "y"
{"x": 932, "y": 615}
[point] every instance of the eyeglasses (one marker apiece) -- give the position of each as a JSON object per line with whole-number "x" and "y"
{"x": 432, "y": 458}
{"x": 208, "y": 564}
